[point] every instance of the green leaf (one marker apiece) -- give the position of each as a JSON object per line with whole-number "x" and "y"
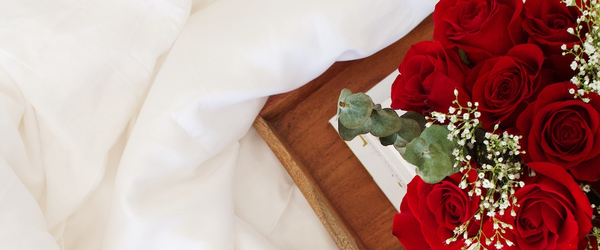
{"x": 385, "y": 122}
{"x": 431, "y": 153}
{"x": 354, "y": 109}
{"x": 417, "y": 117}
{"x": 463, "y": 57}
{"x": 439, "y": 134}
{"x": 348, "y": 134}
{"x": 343, "y": 95}
{"x": 409, "y": 130}
{"x": 437, "y": 165}
{"x": 388, "y": 140}
{"x": 416, "y": 150}
{"x": 377, "y": 107}
{"x": 401, "y": 150}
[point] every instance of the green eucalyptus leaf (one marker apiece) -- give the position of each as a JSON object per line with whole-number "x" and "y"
{"x": 343, "y": 95}
{"x": 401, "y": 150}
{"x": 409, "y": 130}
{"x": 437, "y": 165}
{"x": 439, "y": 134}
{"x": 416, "y": 150}
{"x": 355, "y": 109}
{"x": 417, "y": 117}
{"x": 431, "y": 153}
{"x": 377, "y": 107}
{"x": 348, "y": 134}
{"x": 388, "y": 140}
{"x": 385, "y": 122}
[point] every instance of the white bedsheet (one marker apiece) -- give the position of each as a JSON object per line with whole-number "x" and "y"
{"x": 124, "y": 123}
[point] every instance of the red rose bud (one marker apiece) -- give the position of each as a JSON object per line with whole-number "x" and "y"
{"x": 553, "y": 211}
{"x": 505, "y": 85}
{"x": 482, "y": 28}
{"x": 564, "y": 131}
{"x": 430, "y": 213}
{"x": 428, "y": 76}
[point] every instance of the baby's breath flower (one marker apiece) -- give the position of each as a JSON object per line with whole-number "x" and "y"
{"x": 495, "y": 182}
{"x": 451, "y": 110}
{"x": 509, "y": 243}
{"x": 587, "y": 54}
{"x": 586, "y": 188}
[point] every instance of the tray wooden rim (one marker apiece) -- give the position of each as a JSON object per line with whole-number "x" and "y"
{"x": 278, "y": 106}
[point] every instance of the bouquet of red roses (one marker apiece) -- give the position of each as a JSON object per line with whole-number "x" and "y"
{"x": 503, "y": 126}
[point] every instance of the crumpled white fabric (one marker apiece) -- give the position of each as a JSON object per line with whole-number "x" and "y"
{"x": 121, "y": 120}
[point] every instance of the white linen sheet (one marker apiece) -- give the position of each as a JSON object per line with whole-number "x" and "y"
{"x": 124, "y": 123}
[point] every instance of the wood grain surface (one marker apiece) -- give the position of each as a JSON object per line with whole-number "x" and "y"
{"x": 339, "y": 189}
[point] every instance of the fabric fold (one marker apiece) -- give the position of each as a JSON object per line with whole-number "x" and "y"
{"x": 104, "y": 148}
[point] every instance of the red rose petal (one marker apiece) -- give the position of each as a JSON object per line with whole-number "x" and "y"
{"x": 408, "y": 231}
{"x": 583, "y": 213}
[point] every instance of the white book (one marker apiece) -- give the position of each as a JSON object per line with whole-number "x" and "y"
{"x": 387, "y": 167}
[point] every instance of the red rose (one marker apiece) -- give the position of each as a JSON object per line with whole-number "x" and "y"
{"x": 408, "y": 229}
{"x": 482, "y": 28}
{"x": 553, "y": 211}
{"x": 546, "y": 22}
{"x": 504, "y": 86}
{"x": 564, "y": 131}
{"x": 428, "y": 76}
{"x": 430, "y": 213}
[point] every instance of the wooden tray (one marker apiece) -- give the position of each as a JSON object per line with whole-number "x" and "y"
{"x": 339, "y": 189}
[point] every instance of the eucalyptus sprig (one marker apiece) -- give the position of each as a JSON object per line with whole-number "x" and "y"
{"x": 426, "y": 148}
